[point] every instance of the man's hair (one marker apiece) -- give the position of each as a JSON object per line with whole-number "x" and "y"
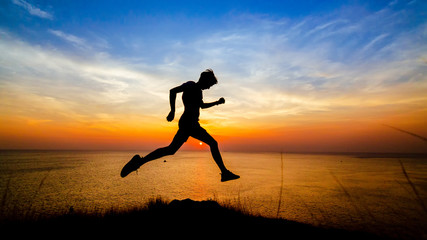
{"x": 208, "y": 76}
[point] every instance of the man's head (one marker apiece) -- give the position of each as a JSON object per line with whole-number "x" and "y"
{"x": 207, "y": 79}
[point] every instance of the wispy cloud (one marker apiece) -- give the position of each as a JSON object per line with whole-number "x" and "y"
{"x": 33, "y": 10}
{"x": 325, "y": 26}
{"x": 76, "y": 41}
{"x": 374, "y": 41}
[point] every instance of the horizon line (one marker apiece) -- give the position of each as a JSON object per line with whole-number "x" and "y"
{"x": 234, "y": 151}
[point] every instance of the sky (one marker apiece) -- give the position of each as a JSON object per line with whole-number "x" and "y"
{"x": 297, "y": 76}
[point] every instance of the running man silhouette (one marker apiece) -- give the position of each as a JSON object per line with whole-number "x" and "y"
{"x": 189, "y": 126}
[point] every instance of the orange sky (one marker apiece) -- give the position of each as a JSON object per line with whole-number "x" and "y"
{"x": 312, "y": 136}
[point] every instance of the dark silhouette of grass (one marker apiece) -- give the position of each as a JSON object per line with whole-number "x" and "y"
{"x": 407, "y": 132}
{"x": 29, "y": 212}
{"x": 417, "y": 195}
{"x": 347, "y": 194}
{"x": 281, "y": 185}
{"x": 186, "y": 218}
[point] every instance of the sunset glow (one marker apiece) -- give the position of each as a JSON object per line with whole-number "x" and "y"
{"x": 297, "y": 78}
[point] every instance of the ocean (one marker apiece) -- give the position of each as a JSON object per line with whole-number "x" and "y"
{"x": 381, "y": 193}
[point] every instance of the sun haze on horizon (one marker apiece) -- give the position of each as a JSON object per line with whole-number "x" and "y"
{"x": 318, "y": 77}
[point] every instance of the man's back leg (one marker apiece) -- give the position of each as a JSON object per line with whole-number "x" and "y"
{"x": 136, "y": 162}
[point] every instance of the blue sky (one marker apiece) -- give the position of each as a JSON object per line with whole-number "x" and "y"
{"x": 148, "y": 28}
{"x": 293, "y": 62}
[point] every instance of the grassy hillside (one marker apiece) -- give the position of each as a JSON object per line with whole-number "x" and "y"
{"x": 185, "y": 218}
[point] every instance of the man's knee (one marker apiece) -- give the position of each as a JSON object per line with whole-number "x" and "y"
{"x": 213, "y": 143}
{"x": 170, "y": 150}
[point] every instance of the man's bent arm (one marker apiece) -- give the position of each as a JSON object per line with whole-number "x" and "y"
{"x": 208, "y": 105}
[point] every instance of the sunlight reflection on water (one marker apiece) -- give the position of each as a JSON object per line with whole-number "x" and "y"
{"x": 333, "y": 190}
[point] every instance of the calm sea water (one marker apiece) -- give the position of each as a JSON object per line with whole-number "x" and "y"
{"x": 368, "y": 192}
